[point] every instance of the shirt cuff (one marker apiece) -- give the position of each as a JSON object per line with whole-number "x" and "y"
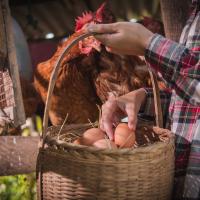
{"x": 151, "y": 52}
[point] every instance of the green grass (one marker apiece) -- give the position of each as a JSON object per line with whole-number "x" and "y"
{"x": 19, "y": 187}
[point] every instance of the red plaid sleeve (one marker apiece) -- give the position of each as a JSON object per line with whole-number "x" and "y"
{"x": 179, "y": 66}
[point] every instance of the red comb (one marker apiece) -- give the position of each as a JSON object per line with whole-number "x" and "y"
{"x": 84, "y": 19}
{"x": 102, "y": 15}
{"x": 100, "y": 12}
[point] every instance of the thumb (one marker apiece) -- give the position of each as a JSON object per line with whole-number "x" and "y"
{"x": 105, "y": 39}
{"x": 101, "y": 28}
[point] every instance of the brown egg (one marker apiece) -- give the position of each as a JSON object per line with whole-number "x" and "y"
{"x": 91, "y": 135}
{"x": 105, "y": 144}
{"x": 77, "y": 141}
{"x": 124, "y": 137}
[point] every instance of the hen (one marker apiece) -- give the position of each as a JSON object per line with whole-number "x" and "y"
{"x": 73, "y": 92}
{"x": 88, "y": 74}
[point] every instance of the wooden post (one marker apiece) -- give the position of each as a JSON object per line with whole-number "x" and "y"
{"x": 174, "y": 14}
{"x": 8, "y": 54}
{"x": 18, "y": 155}
{"x": 3, "y": 49}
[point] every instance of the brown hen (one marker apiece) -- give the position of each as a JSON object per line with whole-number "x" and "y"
{"x": 73, "y": 93}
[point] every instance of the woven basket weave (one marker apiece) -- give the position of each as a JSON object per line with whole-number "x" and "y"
{"x": 69, "y": 171}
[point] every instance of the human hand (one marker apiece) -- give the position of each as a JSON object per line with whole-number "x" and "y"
{"x": 117, "y": 107}
{"x": 122, "y": 37}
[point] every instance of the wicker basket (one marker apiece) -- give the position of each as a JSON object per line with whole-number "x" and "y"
{"x": 69, "y": 171}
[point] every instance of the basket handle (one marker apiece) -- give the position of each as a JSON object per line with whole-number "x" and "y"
{"x": 158, "y": 111}
{"x": 53, "y": 80}
{"x": 156, "y": 96}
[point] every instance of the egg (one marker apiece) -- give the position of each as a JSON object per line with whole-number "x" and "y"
{"x": 123, "y": 136}
{"x": 105, "y": 144}
{"x": 77, "y": 141}
{"x": 90, "y": 136}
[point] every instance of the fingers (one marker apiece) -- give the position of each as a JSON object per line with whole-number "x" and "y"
{"x": 110, "y": 115}
{"x": 105, "y": 33}
{"x": 107, "y": 126}
{"x": 109, "y": 130}
{"x": 101, "y": 28}
{"x": 132, "y": 117}
{"x": 105, "y": 39}
{"x": 115, "y": 51}
{"x": 108, "y": 111}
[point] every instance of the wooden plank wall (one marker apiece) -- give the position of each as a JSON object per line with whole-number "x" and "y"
{"x": 3, "y": 49}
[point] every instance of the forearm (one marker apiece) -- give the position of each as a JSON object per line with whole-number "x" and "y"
{"x": 178, "y": 65}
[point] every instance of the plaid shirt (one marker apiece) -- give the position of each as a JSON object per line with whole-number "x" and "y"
{"x": 179, "y": 65}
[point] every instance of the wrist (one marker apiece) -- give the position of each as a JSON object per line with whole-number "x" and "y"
{"x": 147, "y": 41}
